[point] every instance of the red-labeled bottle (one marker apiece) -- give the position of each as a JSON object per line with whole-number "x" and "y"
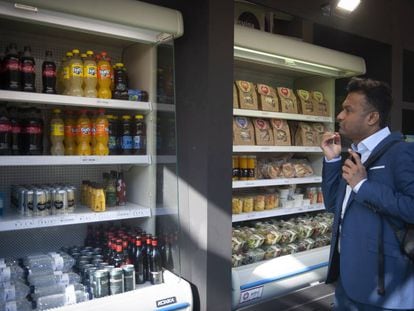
{"x": 28, "y": 70}
{"x": 49, "y": 74}
{"x": 11, "y": 69}
{"x": 139, "y": 263}
{"x": 5, "y": 133}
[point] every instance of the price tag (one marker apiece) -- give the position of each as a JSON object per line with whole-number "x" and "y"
{"x": 251, "y": 294}
{"x": 101, "y": 101}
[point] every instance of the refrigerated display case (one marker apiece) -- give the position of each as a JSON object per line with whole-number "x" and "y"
{"x": 142, "y": 37}
{"x": 280, "y": 61}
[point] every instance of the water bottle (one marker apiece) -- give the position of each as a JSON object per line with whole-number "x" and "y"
{"x": 16, "y": 305}
{"x": 40, "y": 291}
{"x": 13, "y": 291}
{"x": 11, "y": 272}
{"x": 71, "y": 296}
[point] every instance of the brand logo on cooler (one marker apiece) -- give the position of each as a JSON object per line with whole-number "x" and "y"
{"x": 166, "y": 301}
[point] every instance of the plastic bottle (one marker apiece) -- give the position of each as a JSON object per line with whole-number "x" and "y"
{"x": 90, "y": 76}
{"x": 49, "y": 74}
{"x": 16, "y": 131}
{"x": 110, "y": 191}
{"x": 57, "y": 133}
{"x": 60, "y": 88}
{"x": 16, "y": 305}
{"x": 104, "y": 77}
{"x": 11, "y": 69}
{"x": 101, "y": 134}
{"x": 120, "y": 189}
{"x": 5, "y": 133}
{"x": 13, "y": 291}
{"x": 75, "y": 74}
{"x": 138, "y": 135}
{"x": 11, "y": 272}
{"x": 32, "y": 133}
{"x": 70, "y": 133}
{"x": 27, "y": 69}
{"x": 126, "y": 142}
{"x": 92, "y": 115}
{"x": 53, "y": 279}
{"x": 71, "y": 296}
{"x": 156, "y": 276}
{"x": 120, "y": 82}
{"x": 83, "y": 134}
{"x": 42, "y": 291}
{"x": 113, "y": 134}
{"x": 66, "y": 73}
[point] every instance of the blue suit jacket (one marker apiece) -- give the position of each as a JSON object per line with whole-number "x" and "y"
{"x": 390, "y": 188}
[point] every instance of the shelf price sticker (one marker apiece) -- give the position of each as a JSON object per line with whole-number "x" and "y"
{"x": 251, "y": 294}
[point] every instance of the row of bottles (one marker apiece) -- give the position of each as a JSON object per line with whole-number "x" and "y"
{"x": 83, "y": 132}
{"x": 92, "y": 75}
{"x": 18, "y": 71}
{"x": 123, "y": 246}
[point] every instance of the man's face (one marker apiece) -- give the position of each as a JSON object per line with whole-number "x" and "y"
{"x": 354, "y": 117}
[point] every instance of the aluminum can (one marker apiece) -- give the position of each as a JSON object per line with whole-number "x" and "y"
{"x": 100, "y": 286}
{"x": 28, "y": 202}
{"x": 39, "y": 202}
{"x": 60, "y": 201}
{"x": 71, "y": 197}
{"x": 116, "y": 281}
{"x": 129, "y": 277}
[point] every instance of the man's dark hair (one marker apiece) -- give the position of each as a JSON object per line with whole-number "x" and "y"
{"x": 377, "y": 94}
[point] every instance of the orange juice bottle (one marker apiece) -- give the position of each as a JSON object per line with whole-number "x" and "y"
{"x": 70, "y": 133}
{"x": 90, "y": 75}
{"x": 83, "y": 134}
{"x": 104, "y": 77}
{"x": 101, "y": 134}
{"x": 93, "y": 114}
{"x": 75, "y": 74}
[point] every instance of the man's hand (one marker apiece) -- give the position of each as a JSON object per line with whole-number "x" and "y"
{"x": 331, "y": 145}
{"x": 353, "y": 171}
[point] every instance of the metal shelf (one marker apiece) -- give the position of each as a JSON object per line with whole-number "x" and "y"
{"x": 280, "y": 115}
{"x": 276, "y": 182}
{"x": 76, "y": 101}
{"x": 303, "y": 149}
{"x": 73, "y": 160}
{"x": 81, "y": 215}
{"x": 277, "y": 212}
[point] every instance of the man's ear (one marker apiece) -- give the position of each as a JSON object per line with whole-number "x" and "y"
{"x": 373, "y": 118}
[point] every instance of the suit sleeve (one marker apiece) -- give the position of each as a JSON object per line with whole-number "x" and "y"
{"x": 397, "y": 201}
{"x": 331, "y": 175}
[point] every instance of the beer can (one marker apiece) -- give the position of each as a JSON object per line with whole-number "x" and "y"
{"x": 129, "y": 277}
{"x": 100, "y": 286}
{"x": 116, "y": 281}
{"x": 20, "y": 195}
{"x": 71, "y": 198}
{"x": 48, "y": 200}
{"x": 60, "y": 201}
{"x": 39, "y": 202}
{"x": 89, "y": 277}
{"x": 28, "y": 202}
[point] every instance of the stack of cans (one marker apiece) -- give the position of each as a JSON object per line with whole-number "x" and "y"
{"x": 43, "y": 200}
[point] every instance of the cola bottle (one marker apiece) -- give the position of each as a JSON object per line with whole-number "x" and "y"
{"x": 49, "y": 74}
{"x": 27, "y": 69}
{"x": 33, "y": 133}
{"x": 5, "y": 133}
{"x": 155, "y": 261}
{"x": 11, "y": 69}
{"x": 139, "y": 262}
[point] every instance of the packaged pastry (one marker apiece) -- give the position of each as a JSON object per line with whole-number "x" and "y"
{"x": 243, "y": 131}
{"x": 318, "y": 129}
{"x": 288, "y": 101}
{"x": 236, "y": 205}
{"x": 235, "y": 97}
{"x": 259, "y": 202}
{"x": 268, "y": 100}
{"x": 305, "y": 103}
{"x": 302, "y": 168}
{"x": 247, "y": 95}
{"x": 271, "y": 200}
{"x": 281, "y": 132}
{"x": 288, "y": 170}
{"x": 263, "y": 132}
{"x": 304, "y": 135}
{"x": 320, "y": 104}
{"x": 248, "y": 203}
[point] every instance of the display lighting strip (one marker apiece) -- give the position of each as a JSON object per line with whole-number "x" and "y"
{"x": 286, "y": 62}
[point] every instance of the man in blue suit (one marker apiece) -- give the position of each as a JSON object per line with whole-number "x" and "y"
{"x": 366, "y": 262}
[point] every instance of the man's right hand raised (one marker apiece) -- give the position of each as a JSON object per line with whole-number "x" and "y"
{"x": 331, "y": 145}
